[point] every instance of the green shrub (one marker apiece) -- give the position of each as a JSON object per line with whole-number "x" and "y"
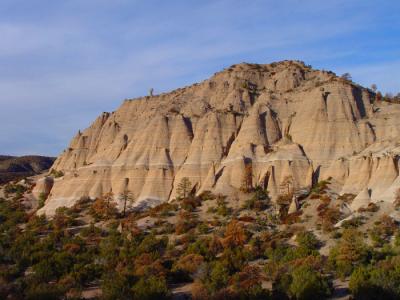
{"x": 353, "y": 223}
{"x": 56, "y": 173}
{"x": 380, "y": 281}
{"x": 218, "y": 277}
{"x": 320, "y": 187}
{"x": 360, "y": 284}
{"x": 151, "y": 244}
{"x": 307, "y": 240}
{"x": 190, "y": 203}
{"x": 223, "y": 210}
{"x": 152, "y": 288}
{"x": 382, "y": 231}
{"x": 203, "y": 228}
{"x": 44, "y": 291}
{"x": 259, "y": 200}
{"x": 41, "y": 200}
{"x": 247, "y": 284}
{"x": 308, "y": 284}
{"x": 187, "y": 265}
{"x": 349, "y": 253}
{"x": 15, "y": 189}
{"x": 235, "y": 259}
{"x": 207, "y": 195}
{"x": 115, "y": 286}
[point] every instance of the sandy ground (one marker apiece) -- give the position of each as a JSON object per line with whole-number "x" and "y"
{"x": 181, "y": 291}
{"x": 91, "y": 292}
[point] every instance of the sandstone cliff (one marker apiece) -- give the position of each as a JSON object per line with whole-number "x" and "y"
{"x": 283, "y": 119}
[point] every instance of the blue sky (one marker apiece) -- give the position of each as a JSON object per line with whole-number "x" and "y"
{"x": 64, "y": 62}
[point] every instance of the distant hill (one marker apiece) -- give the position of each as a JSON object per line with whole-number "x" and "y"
{"x": 14, "y": 168}
{"x": 5, "y": 157}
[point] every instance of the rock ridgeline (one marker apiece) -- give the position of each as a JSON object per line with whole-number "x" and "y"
{"x": 282, "y": 119}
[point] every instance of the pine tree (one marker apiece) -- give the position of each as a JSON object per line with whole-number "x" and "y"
{"x": 183, "y": 188}
{"x": 126, "y": 197}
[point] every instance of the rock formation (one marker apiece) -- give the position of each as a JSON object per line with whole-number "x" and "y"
{"x": 278, "y": 120}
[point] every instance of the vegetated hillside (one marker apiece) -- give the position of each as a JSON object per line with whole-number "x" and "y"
{"x": 14, "y": 168}
{"x": 202, "y": 247}
{"x": 4, "y": 157}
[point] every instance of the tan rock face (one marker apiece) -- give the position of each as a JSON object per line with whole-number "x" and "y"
{"x": 43, "y": 186}
{"x": 285, "y": 119}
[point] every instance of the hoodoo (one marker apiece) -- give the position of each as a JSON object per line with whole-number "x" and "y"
{"x": 270, "y": 122}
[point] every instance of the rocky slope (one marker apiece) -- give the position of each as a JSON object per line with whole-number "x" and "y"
{"x": 281, "y": 120}
{"x": 13, "y": 168}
